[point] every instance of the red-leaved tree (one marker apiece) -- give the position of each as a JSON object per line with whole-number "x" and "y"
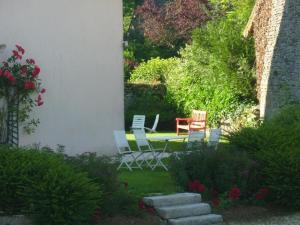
{"x": 173, "y": 21}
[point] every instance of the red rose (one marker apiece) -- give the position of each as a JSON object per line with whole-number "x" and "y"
{"x": 7, "y": 74}
{"x": 215, "y": 202}
{"x": 20, "y": 49}
{"x": 29, "y": 85}
{"x": 234, "y": 193}
{"x": 1, "y": 72}
{"x": 24, "y": 70}
{"x": 36, "y": 71}
{"x": 44, "y": 91}
{"x": 16, "y": 54}
{"x": 30, "y": 61}
{"x": 262, "y": 194}
{"x": 196, "y": 186}
{"x": 141, "y": 204}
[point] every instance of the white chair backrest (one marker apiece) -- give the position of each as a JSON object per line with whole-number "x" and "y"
{"x": 214, "y": 136}
{"x": 155, "y": 123}
{"x": 121, "y": 141}
{"x": 195, "y": 138}
{"x": 141, "y": 139}
{"x": 138, "y": 122}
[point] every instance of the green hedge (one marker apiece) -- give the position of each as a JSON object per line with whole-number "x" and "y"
{"x": 276, "y": 145}
{"x": 42, "y": 185}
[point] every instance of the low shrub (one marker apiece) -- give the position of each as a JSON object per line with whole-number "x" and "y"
{"x": 115, "y": 200}
{"x": 42, "y": 185}
{"x": 276, "y": 145}
{"x": 219, "y": 171}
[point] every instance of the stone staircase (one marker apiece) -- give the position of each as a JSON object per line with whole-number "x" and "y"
{"x": 183, "y": 209}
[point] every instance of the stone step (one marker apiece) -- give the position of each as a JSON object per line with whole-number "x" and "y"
{"x": 197, "y": 220}
{"x": 171, "y": 212}
{"x": 172, "y": 200}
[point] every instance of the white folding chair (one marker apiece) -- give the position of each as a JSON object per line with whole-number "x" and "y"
{"x": 153, "y": 129}
{"x": 195, "y": 139}
{"x": 127, "y": 157}
{"x": 214, "y": 137}
{"x": 138, "y": 122}
{"x": 152, "y": 157}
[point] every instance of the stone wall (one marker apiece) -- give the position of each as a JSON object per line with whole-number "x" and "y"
{"x": 277, "y": 34}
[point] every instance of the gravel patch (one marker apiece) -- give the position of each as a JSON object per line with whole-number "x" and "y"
{"x": 293, "y": 219}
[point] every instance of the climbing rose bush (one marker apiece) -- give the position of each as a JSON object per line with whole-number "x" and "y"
{"x": 19, "y": 78}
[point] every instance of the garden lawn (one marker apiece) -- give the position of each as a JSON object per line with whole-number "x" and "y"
{"x": 146, "y": 182}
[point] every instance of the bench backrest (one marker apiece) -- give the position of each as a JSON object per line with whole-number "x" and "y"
{"x": 198, "y": 115}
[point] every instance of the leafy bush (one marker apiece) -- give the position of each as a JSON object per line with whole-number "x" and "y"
{"x": 276, "y": 145}
{"x": 115, "y": 200}
{"x": 149, "y": 100}
{"x": 214, "y": 72}
{"x": 219, "y": 171}
{"x": 154, "y": 70}
{"x": 41, "y": 184}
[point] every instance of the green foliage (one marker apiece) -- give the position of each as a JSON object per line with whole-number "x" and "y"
{"x": 215, "y": 72}
{"x": 41, "y": 184}
{"x": 218, "y": 170}
{"x": 154, "y": 70}
{"x": 149, "y": 100}
{"x": 276, "y": 145}
{"x": 115, "y": 200}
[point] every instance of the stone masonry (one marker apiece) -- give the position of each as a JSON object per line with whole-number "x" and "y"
{"x": 275, "y": 25}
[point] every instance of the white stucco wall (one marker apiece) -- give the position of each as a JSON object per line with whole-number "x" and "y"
{"x": 78, "y": 45}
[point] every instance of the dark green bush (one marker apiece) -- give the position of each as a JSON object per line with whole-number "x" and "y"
{"x": 42, "y": 185}
{"x": 115, "y": 199}
{"x": 276, "y": 145}
{"x": 218, "y": 170}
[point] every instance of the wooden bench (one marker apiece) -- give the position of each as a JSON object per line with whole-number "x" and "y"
{"x": 197, "y": 122}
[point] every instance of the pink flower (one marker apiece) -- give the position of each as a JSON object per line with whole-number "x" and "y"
{"x": 20, "y": 49}
{"x": 44, "y": 91}
{"x": 30, "y": 61}
{"x": 28, "y": 85}
{"x": 234, "y": 193}
{"x": 1, "y": 72}
{"x": 36, "y": 71}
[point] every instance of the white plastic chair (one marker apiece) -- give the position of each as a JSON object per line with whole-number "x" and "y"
{"x": 195, "y": 139}
{"x": 138, "y": 122}
{"x": 152, "y": 157}
{"x": 127, "y": 157}
{"x": 153, "y": 129}
{"x": 214, "y": 137}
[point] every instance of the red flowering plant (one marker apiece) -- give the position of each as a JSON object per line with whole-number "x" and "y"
{"x": 20, "y": 83}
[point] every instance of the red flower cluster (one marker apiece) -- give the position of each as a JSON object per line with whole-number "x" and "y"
{"x": 143, "y": 206}
{"x": 262, "y": 194}
{"x": 29, "y": 85}
{"x": 196, "y": 186}
{"x": 30, "y": 61}
{"x": 36, "y": 71}
{"x": 215, "y": 202}
{"x": 18, "y": 54}
{"x": 8, "y": 75}
{"x": 234, "y": 193}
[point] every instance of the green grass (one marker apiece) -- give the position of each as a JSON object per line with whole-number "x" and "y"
{"x": 145, "y": 182}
